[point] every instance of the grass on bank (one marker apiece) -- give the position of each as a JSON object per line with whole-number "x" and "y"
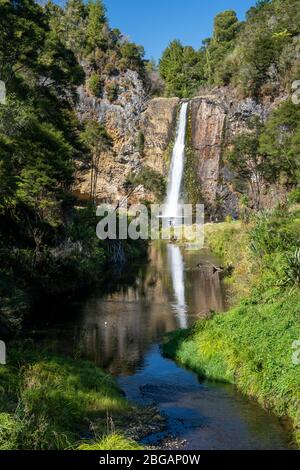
{"x": 251, "y": 346}
{"x": 111, "y": 442}
{"x": 50, "y": 402}
{"x": 230, "y": 241}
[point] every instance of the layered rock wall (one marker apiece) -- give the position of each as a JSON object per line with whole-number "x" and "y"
{"x": 130, "y": 117}
{"x": 215, "y": 119}
{"x": 208, "y": 121}
{"x": 158, "y": 124}
{"x": 121, "y": 120}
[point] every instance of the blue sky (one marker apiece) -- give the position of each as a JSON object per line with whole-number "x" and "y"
{"x": 154, "y": 23}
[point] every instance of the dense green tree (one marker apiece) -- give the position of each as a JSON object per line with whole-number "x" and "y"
{"x": 38, "y": 145}
{"x": 181, "y": 68}
{"x": 185, "y": 70}
{"x": 266, "y": 48}
{"x": 75, "y": 22}
{"x": 246, "y": 161}
{"x": 280, "y": 143}
{"x": 96, "y": 21}
{"x": 148, "y": 178}
{"x": 170, "y": 68}
{"x": 258, "y": 56}
{"x": 23, "y": 28}
{"x": 226, "y": 27}
{"x": 132, "y": 57}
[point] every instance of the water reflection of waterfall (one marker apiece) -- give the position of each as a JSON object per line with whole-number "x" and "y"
{"x": 176, "y": 265}
{"x": 116, "y": 330}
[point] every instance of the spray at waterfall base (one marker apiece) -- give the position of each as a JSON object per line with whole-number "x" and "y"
{"x": 150, "y": 223}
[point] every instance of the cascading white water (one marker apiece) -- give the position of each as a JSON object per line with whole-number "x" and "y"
{"x": 177, "y": 166}
{"x": 177, "y": 273}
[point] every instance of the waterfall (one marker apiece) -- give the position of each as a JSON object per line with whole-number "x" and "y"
{"x": 172, "y": 211}
{"x": 177, "y": 166}
{"x": 177, "y": 273}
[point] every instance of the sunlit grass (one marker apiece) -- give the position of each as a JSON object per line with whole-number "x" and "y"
{"x": 111, "y": 442}
{"x": 251, "y": 345}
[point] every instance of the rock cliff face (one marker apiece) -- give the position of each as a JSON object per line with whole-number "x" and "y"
{"x": 127, "y": 119}
{"x": 207, "y": 126}
{"x": 158, "y": 124}
{"x": 215, "y": 119}
{"x": 121, "y": 120}
{"x": 143, "y": 132}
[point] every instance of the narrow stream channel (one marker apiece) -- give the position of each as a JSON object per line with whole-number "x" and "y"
{"x": 121, "y": 332}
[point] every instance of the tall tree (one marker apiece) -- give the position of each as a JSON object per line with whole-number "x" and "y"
{"x": 37, "y": 124}
{"x": 96, "y": 19}
{"x": 75, "y": 22}
{"x": 97, "y": 141}
{"x": 181, "y": 68}
{"x": 226, "y": 27}
{"x": 280, "y": 143}
{"x": 23, "y": 28}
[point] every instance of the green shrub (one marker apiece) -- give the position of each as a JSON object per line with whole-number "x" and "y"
{"x": 293, "y": 268}
{"x": 140, "y": 142}
{"x": 275, "y": 231}
{"x": 132, "y": 57}
{"x": 294, "y": 196}
{"x": 112, "y": 91}
{"x": 151, "y": 179}
{"x": 95, "y": 84}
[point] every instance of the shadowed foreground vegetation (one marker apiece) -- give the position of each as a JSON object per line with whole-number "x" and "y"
{"x": 251, "y": 346}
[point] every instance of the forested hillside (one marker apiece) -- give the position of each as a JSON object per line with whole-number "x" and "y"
{"x": 259, "y": 56}
{"x": 46, "y": 246}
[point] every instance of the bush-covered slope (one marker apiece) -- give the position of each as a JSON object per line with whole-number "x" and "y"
{"x": 47, "y": 246}
{"x": 257, "y": 56}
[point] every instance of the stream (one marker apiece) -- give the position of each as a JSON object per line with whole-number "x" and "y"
{"x": 121, "y": 332}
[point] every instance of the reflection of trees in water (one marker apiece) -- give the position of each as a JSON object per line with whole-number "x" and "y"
{"x": 117, "y": 331}
{"x": 206, "y": 296}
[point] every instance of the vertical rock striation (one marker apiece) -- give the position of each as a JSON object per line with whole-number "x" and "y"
{"x": 158, "y": 124}
{"x": 216, "y": 118}
{"x": 208, "y": 120}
